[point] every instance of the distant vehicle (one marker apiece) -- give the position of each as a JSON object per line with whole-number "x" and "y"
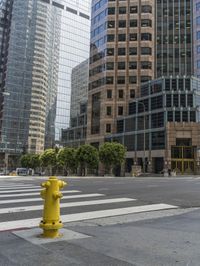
{"x": 22, "y": 171}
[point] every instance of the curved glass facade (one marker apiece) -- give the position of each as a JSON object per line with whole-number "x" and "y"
{"x": 43, "y": 40}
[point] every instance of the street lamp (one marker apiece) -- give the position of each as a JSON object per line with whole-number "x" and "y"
{"x": 144, "y": 136}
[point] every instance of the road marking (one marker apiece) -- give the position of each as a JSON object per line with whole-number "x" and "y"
{"x": 66, "y": 205}
{"x": 29, "y": 223}
{"x": 65, "y": 197}
{"x": 20, "y": 190}
{"x": 17, "y": 188}
{"x": 34, "y": 194}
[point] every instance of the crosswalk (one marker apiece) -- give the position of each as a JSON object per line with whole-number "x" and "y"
{"x": 21, "y": 206}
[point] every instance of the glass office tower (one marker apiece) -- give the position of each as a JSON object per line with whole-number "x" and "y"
{"x": 174, "y": 26}
{"x": 74, "y": 48}
{"x": 196, "y": 29}
{"x": 41, "y": 41}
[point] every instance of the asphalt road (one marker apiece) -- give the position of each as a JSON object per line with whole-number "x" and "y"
{"x": 181, "y": 192}
{"x": 167, "y": 236}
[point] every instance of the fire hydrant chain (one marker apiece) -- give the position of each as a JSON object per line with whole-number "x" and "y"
{"x": 51, "y": 194}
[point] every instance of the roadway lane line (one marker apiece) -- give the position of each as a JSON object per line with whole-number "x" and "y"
{"x": 29, "y": 223}
{"x": 34, "y": 194}
{"x": 66, "y": 205}
{"x": 64, "y": 197}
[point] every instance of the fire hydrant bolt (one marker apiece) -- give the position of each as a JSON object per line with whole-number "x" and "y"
{"x": 51, "y": 222}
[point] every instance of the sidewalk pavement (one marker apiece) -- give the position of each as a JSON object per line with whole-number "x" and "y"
{"x": 166, "y": 238}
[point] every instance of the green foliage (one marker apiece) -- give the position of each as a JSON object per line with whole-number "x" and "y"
{"x": 66, "y": 157}
{"x": 111, "y": 154}
{"x": 25, "y": 160}
{"x": 35, "y": 161}
{"x": 30, "y": 161}
{"x": 87, "y": 156}
{"x": 48, "y": 158}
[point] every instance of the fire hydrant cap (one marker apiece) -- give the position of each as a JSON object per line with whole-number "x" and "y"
{"x": 53, "y": 177}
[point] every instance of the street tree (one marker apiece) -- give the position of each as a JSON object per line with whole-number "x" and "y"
{"x": 66, "y": 158}
{"x": 87, "y": 157}
{"x": 35, "y": 161}
{"x": 48, "y": 159}
{"x": 25, "y": 161}
{"x": 111, "y": 154}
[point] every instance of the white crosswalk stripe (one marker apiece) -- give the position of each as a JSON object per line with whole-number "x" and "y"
{"x": 23, "y": 213}
{"x": 64, "y": 197}
{"x": 63, "y": 205}
{"x": 17, "y": 188}
{"x": 20, "y": 190}
{"x": 33, "y": 194}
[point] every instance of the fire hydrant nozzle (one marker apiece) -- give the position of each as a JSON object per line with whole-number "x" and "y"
{"x": 51, "y": 194}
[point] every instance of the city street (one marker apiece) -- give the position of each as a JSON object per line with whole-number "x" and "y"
{"x": 112, "y": 221}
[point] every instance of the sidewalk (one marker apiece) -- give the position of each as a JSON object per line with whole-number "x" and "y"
{"x": 165, "y": 238}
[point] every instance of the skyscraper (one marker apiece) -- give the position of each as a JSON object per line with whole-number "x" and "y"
{"x": 121, "y": 58}
{"x": 41, "y": 41}
{"x": 143, "y": 88}
{"x": 76, "y": 133}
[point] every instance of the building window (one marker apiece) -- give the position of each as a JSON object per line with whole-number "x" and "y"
{"x": 109, "y": 110}
{"x": 132, "y": 80}
{"x": 111, "y": 24}
{"x": 158, "y": 140}
{"x": 109, "y": 80}
{"x": 122, "y": 10}
{"x": 120, "y": 126}
{"x": 110, "y": 51}
{"x": 111, "y": 11}
{"x": 121, "y": 65}
{"x": 146, "y": 65}
{"x": 132, "y": 65}
{"x": 109, "y": 94}
{"x": 146, "y": 51}
{"x": 132, "y": 93}
{"x": 110, "y": 38}
{"x": 122, "y": 23}
{"x": 120, "y": 110}
{"x": 145, "y": 78}
{"x": 120, "y": 94}
{"x": 146, "y": 23}
{"x": 146, "y": 37}
{"x": 133, "y": 36}
{"x": 133, "y": 23}
{"x": 121, "y": 51}
{"x": 133, "y": 51}
{"x": 157, "y": 120}
{"x": 120, "y": 80}
{"x": 198, "y": 35}
{"x": 122, "y": 37}
{"x": 109, "y": 66}
{"x": 133, "y": 9}
{"x": 170, "y": 116}
{"x": 108, "y": 128}
{"x": 147, "y": 9}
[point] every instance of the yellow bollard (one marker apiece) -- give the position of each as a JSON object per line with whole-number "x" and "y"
{"x": 51, "y": 194}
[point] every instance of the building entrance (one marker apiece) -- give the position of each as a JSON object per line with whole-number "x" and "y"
{"x": 183, "y": 159}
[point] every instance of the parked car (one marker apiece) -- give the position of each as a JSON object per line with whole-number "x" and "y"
{"x": 22, "y": 171}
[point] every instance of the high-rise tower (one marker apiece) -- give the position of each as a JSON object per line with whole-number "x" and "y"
{"x": 143, "y": 90}
{"x": 41, "y": 41}
{"x": 121, "y": 58}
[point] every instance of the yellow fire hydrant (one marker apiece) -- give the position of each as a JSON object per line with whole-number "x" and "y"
{"x": 51, "y": 194}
